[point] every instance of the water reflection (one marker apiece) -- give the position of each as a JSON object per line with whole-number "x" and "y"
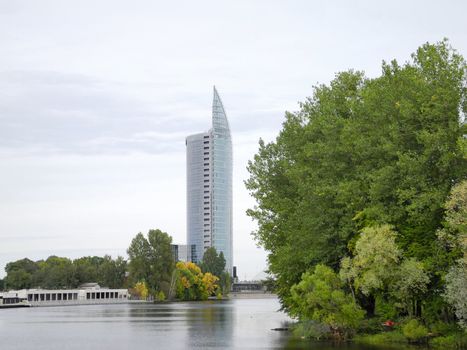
{"x": 209, "y": 324}
{"x": 235, "y": 324}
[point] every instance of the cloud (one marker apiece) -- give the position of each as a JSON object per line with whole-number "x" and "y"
{"x": 70, "y": 113}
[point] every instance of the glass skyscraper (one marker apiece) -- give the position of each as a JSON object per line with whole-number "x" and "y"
{"x": 209, "y": 187}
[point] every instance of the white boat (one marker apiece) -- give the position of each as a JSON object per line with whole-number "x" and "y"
{"x": 11, "y": 301}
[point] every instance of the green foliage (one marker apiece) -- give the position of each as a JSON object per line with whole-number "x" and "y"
{"x": 160, "y": 296}
{"x": 375, "y": 262}
{"x": 385, "y": 309}
{"x": 414, "y": 331}
{"x": 386, "y": 338}
{"x": 319, "y": 297}
{"x": 455, "y": 341}
{"x": 58, "y": 272}
{"x": 193, "y": 284}
{"x": 359, "y": 154}
{"x": 439, "y": 328}
{"x": 225, "y": 283}
{"x": 409, "y": 285}
{"x": 140, "y": 290}
{"x": 151, "y": 260}
{"x": 190, "y": 284}
{"x": 139, "y": 253}
{"x": 111, "y": 273}
{"x": 213, "y": 262}
{"x": 456, "y": 292}
{"x": 454, "y": 233}
{"x": 311, "y": 330}
{"x": 20, "y": 274}
{"x": 454, "y": 237}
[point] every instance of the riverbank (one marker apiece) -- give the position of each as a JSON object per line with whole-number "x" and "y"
{"x": 396, "y": 339}
{"x": 252, "y": 295}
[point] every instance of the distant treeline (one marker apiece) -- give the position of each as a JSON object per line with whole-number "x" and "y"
{"x": 58, "y": 272}
{"x": 150, "y": 272}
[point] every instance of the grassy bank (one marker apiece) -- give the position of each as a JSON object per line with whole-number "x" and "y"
{"x": 454, "y": 341}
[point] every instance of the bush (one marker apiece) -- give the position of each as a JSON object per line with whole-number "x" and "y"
{"x": 311, "y": 330}
{"x": 159, "y": 296}
{"x": 319, "y": 297}
{"x": 385, "y": 309}
{"x": 414, "y": 331}
{"x": 440, "y": 328}
{"x": 455, "y": 341}
{"x": 371, "y": 326}
{"x": 386, "y": 338}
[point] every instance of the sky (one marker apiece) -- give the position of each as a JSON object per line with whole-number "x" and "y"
{"x": 97, "y": 97}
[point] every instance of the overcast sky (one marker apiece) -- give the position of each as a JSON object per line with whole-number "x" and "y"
{"x": 97, "y": 97}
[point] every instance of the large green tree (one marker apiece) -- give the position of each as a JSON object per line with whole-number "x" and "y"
{"x": 213, "y": 262}
{"x": 151, "y": 260}
{"x": 20, "y": 274}
{"x": 362, "y": 152}
{"x": 111, "y": 273}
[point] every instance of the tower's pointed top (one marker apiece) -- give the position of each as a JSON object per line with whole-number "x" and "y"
{"x": 219, "y": 118}
{"x": 216, "y": 94}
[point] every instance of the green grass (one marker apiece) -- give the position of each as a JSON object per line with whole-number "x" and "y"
{"x": 456, "y": 341}
{"x": 386, "y": 338}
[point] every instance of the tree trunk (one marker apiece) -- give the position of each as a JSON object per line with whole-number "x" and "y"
{"x": 368, "y": 303}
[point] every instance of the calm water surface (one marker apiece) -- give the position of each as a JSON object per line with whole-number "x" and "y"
{"x": 234, "y": 324}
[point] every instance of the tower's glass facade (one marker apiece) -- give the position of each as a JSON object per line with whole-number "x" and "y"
{"x": 209, "y": 187}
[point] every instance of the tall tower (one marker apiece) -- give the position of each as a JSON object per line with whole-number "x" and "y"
{"x": 209, "y": 187}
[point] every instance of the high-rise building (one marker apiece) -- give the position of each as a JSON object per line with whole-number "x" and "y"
{"x": 182, "y": 252}
{"x": 209, "y": 187}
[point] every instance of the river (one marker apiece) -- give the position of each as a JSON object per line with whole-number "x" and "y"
{"x": 233, "y": 324}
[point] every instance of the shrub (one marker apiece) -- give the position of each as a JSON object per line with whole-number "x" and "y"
{"x": 414, "y": 331}
{"x": 385, "y": 309}
{"x": 319, "y": 297}
{"x": 386, "y": 338}
{"x": 454, "y": 341}
{"x": 160, "y": 296}
{"x": 440, "y": 328}
{"x": 312, "y": 329}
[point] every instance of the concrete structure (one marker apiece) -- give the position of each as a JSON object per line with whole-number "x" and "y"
{"x": 209, "y": 187}
{"x": 91, "y": 295}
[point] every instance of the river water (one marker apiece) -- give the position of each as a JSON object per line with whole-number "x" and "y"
{"x": 233, "y": 324}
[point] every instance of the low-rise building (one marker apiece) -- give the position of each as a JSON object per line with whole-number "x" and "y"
{"x": 86, "y": 294}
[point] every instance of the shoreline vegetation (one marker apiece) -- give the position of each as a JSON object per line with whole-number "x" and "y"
{"x": 150, "y": 273}
{"x": 361, "y": 204}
